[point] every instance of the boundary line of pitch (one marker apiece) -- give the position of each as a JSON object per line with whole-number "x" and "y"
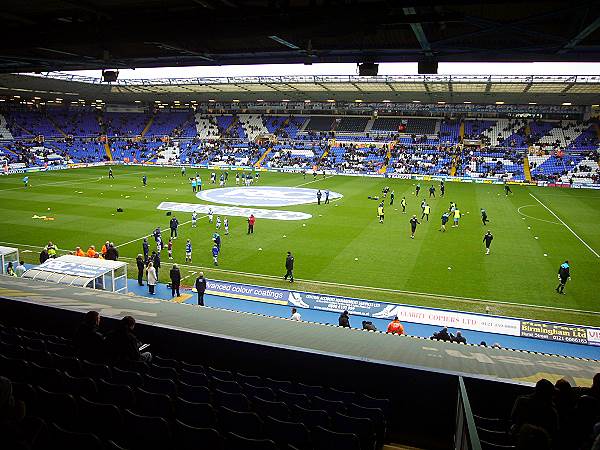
{"x": 358, "y": 287}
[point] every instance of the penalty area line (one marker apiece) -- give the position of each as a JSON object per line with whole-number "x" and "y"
{"x": 566, "y": 226}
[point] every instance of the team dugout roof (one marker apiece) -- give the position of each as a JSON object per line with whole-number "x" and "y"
{"x": 520, "y": 89}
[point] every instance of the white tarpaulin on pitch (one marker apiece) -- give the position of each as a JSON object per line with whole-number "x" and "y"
{"x": 233, "y": 211}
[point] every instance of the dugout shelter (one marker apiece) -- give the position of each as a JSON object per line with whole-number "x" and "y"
{"x": 8, "y": 254}
{"x": 94, "y": 273}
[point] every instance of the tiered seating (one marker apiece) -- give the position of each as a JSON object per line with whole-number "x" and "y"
{"x": 230, "y": 127}
{"x": 24, "y": 124}
{"x": 586, "y": 171}
{"x": 299, "y": 156}
{"x": 553, "y": 167}
{"x": 352, "y": 124}
{"x": 361, "y": 159}
{"x": 253, "y": 125}
{"x": 420, "y": 126}
{"x": 492, "y": 163}
{"x": 586, "y": 141}
{"x": 539, "y": 129}
{"x": 449, "y": 131}
{"x": 320, "y": 123}
{"x": 124, "y": 124}
{"x": 77, "y": 122}
{"x": 206, "y": 127}
{"x": 284, "y": 126}
{"x": 170, "y": 403}
{"x": 478, "y": 129}
{"x": 502, "y": 130}
{"x": 169, "y": 124}
{"x": 424, "y": 160}
{"x": 143, "y": 150}
{"x": 387, "y": 124}
{"x": 4, "y": 130}
{"x": 80, "y": 150}
{"x": 571, "y": 135}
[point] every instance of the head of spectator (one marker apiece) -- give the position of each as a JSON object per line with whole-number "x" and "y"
{"x": 368, "y": 325}
{"x": 532, "y": 437}
{"x": 128, "y": 323}
{"x": 483, "y": 343}
{"x": 395, "y": 327}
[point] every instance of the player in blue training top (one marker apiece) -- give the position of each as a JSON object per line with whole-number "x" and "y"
{"x": 188, "y": 251}
{"x": 145, "y": 180}
{"x": 26, "y": 181}
{"x": 215, "y": 253}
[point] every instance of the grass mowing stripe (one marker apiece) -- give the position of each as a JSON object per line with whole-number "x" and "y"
{"x": 567, "y": 226}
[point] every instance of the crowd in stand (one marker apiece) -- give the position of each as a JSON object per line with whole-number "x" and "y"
{"x": 557, "y": 417}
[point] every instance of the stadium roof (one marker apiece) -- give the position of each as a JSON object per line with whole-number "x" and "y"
{"x": 41, "y": 35}
{"x": 480, "y": 89}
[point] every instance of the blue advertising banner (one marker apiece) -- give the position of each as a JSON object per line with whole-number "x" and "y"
{"x": 406, "y": 313}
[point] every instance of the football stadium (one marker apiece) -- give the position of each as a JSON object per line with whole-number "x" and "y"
{"x": 300, "y": 225}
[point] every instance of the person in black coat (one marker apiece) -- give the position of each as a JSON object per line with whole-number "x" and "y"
{"x": 201, "y": 287}
{"x": 344, "y": 320}
{"x": 111, "y": 252}
{"x": 156, "y": 262}
{"x": 139, "y": 261}
{"x": 175, "y": 276}
{"x": 44, "y": 256}
{"x": 173, "y": 224}
{"x": 88, "y": 341}
{"x": 289, "y": 267}
{"x": 442, "y": 335}
{"x": 123, "y": 345}
{"x": 146, "y": 250}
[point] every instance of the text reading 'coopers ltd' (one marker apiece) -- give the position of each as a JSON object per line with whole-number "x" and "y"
{"x": 263, "y": 196}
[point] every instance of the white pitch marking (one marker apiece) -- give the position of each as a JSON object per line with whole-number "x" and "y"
{"x": 535, "y": 218}
{"x": 566, "y": 226}
{"x": 474, "y": 300}
{"x": 314, "y": 181}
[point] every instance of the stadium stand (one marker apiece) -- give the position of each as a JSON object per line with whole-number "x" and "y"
{"x": 253, "y": 126}
{"x": 184, "y": 397}
{"x": 352, "y": 125}
{"x": 427, "y": 146}
{"x": 5, "y": 133}
{"x": 320, "y": 124}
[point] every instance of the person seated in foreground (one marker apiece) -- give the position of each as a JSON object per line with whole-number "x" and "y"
{"x": 88, "y": 341}
{"x": 536, "y": 409}
{"x": 123, "y": 345}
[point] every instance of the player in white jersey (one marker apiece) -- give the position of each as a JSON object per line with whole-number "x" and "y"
{"x": 237, "y": 179}
{"x": 210, "y": 215}
{"x": 226, "y": 224}
{"x": 218, "y": 222}
{"x": 194, "y": 219}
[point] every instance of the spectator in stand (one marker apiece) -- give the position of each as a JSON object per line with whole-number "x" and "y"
{"x": 344, "y": 320}
{"x": 20, "y": 269}
{"x": 19, "y": 432}
{"x": 139, "y": 261}
{"x": 152, "y": 278}
{"x": 395, "y": 327}
{"x": 564, "y": 400}
{"x": 442, "y": 335}
{"x": 459, "y": 338}
{"x": 10, "y": 271}
{"x": 533, "y": 438}
{"x": 296, "y": 315}
{"x": 88, "y": 341}
{"x": 201, "y": 288}
{"x": 368, "y": 325}
{"x": 123, "y": 345}
{"x": 175, "y": 276}
{"x": 536, "y": 409}
{"x": 112, "y": 253}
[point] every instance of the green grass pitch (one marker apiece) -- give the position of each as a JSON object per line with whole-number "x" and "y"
{"x": 446, "y": 270}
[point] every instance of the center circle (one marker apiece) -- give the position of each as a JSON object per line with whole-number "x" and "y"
{"x": 264, "y": 196}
